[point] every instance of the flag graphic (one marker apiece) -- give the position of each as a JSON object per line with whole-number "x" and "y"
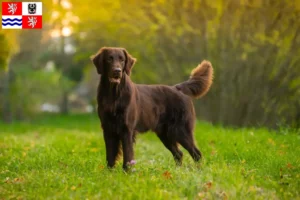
{"x": 12, "y": 22}
{"x": 11, "y": 8}
{"x": 22, "y": 15}
{"x": 30, "y": 22}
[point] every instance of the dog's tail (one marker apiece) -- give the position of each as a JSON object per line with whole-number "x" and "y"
{"x": 199, "y": 82}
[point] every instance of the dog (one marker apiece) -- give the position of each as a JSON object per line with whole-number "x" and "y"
{"x": 126, "y": 108}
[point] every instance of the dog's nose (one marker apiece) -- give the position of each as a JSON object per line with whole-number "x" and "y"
{"x": 117, "y": 70}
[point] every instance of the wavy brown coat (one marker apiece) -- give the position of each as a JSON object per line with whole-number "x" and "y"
{"x": 126, "y": 108}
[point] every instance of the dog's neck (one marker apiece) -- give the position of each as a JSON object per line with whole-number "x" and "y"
{"x": 113, "y": 91}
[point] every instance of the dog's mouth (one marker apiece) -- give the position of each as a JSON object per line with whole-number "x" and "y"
{"x": 115, "y": 79}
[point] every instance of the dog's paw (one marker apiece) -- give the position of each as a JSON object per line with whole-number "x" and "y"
{"x": 129, "y": 167}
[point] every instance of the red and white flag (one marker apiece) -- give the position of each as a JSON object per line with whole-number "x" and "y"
{"x": 22, "y": 15}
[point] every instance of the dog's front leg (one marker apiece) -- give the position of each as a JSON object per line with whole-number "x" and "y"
{"x": 112, "y": 144}
{"x": 128, "y": 154}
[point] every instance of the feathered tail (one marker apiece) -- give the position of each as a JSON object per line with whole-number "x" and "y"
{"x": 199, "y": 82}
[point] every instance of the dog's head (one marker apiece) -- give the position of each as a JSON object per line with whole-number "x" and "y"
{"x": 113, "y": 63}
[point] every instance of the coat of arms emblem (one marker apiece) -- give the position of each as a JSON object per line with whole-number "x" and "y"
{"x": 32, "y": 8}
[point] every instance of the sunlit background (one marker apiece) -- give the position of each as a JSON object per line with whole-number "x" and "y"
{"x": 254, "y": 46}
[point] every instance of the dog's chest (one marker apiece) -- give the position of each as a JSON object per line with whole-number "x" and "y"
{"x": 114, "y": 122}
{"x": 111, "y": 113}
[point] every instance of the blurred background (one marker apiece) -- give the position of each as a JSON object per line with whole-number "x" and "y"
{"x": 254, "y": 46}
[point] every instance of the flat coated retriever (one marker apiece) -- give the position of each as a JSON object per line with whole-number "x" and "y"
{"x": 126, "y": 108}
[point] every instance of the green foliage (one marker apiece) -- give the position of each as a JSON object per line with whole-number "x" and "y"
{"x": 35, "y": 87}
{"x": 60, "y": 157}
{"x": 9, "y": 46}
{"x": 4, "y": 52}
{"x": 251, "y": 44}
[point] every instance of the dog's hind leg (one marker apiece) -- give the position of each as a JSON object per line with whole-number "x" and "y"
{"x": 187, "y": 142}
{"x": 172, "y": 146}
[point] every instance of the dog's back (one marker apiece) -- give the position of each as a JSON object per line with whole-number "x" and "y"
{"x": 161, "y": 105}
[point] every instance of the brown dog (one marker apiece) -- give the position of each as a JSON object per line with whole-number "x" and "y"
{"x": 126, "y": 108}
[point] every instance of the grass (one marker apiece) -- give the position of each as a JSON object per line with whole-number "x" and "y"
{"x": 59, "y": 157}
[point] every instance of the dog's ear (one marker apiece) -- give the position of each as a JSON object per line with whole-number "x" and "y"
{"x": 129, "y": 62}
{"x": 98, "y": 60}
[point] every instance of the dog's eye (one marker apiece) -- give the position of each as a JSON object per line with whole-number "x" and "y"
{"x": 110, "y": 59}
{"x": 121, "y": 59}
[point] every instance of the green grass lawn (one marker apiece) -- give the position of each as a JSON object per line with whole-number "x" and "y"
{"x": 60, "y": 157}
